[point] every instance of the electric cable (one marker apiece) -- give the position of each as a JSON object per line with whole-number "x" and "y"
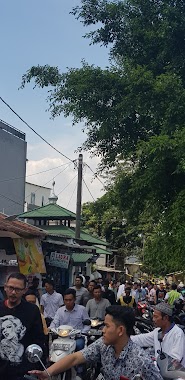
{"x": 33, "y": 130}
{"x": 12, "y": 200}
{"x": 67, "y": 185}
{"x": 96, "y": 176}
{"x": 71, "y": 196}
{"x": 50, "y": 180}
{"x": 29, "y": 175}
{"x": 88, "y": 190}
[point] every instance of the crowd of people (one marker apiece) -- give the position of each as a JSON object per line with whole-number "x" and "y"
{"x": 26, "y": 317}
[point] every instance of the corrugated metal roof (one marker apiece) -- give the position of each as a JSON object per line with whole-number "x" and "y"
{"x": 70, "y": 232}
{"x": 108, "y": 269}
{"x": 48, "y": 212}
{"x": 81, "y": 257}
{"x": 19, "y": 228}
{"x": 102, "y": 251}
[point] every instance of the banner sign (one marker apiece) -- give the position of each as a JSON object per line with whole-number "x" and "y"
{"x": 59, "y": 260}
{"x": 30, "y": 256}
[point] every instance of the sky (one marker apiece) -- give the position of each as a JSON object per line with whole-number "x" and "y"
{"x": 44, "y": 32}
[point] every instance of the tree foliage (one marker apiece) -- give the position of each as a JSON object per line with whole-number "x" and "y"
{"x": 133, "y": 111}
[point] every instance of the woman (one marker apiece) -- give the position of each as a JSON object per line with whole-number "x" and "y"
{"x": 12, "y": 331}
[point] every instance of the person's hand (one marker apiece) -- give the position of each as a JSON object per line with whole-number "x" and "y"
{"x": 42, "y": 375}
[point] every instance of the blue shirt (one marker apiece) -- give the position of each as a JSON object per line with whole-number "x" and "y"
{"x": 132, "y": 361}
{"x": 73, "y": 318}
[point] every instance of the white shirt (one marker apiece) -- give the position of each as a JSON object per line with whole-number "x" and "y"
{"x": 120, "y": 291}
{"x": 72, "y": 318}
{"x": 173, "y": 343}
{"x": 51, "y": 303}
{"x": 152, "y": 295}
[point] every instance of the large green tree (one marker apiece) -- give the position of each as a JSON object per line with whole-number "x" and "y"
{"x": 133, "y": 112}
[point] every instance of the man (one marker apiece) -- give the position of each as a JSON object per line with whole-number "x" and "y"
{"x": 117, "y": 354}
{"x": 127, "y": 299}
{"x": 160, "y": 293}
{"x": 108, "y": 293}
{"x": 20, "y": 326}
{"x": 71, "y": 314}
{"x": 140, "y": 293}
{"x": 31, "y": 297}
{"x": 50, "y": 301}
{"x": 86, "y": 296}
{"x": 173, "y": 295}
{"x": 34, "y": 287}
{"x": 173, "y": 341}
{"x": 97, "y": 306}
{"x": 79, "y": 288}
{"x": 99, "y": 281}
{"x": 133, "y": 291}
{"x": 121, "y": 290}
{"x": 152, "y": 299}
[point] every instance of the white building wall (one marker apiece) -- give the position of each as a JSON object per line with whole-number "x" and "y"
{"x": 35, "y": 195}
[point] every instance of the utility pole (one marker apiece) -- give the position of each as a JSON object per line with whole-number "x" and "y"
{"x": 79, "y": 197}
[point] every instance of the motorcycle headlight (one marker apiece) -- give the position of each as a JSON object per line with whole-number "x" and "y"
{"x": 146, "y": 314}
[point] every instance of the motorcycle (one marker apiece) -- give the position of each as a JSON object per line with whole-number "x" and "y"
{"x": 63, "y": 344}
{"x": 95, "y": 331}
{"x": 179, "y": 313}
{"x": 170, "y": 368}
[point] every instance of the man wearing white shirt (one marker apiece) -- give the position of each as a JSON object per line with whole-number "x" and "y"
{"x": 173, "y": 341}
{"x": 121, "y": 291}
{"x": 50, "y": 301}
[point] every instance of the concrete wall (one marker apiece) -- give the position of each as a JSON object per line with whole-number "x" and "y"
{"x": 12, "y": 165}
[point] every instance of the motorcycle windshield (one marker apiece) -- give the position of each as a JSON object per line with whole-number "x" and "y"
{"x": 174, "y": 365}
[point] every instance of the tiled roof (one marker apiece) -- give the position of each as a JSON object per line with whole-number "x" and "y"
{"x": 81, "y": 257}
{"x": 19, "y": 228}
{"x": 48, "y": 212}
{"x": 70, "y": 233}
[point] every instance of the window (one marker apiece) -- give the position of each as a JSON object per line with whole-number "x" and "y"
{"x": 43, "y": 200}
{"x": 32, "y": 198}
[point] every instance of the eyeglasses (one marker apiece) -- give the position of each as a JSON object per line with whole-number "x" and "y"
{"x": 11, "y": 289}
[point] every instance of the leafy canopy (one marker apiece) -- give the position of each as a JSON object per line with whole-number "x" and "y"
{"x": 133, "y": 111}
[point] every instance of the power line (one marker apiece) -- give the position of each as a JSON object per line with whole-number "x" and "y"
{"x": 96, "y": 176}
{"x": 29, "y": 175}
{"x": 88, "y": 189}
{"x": 49, "y": 180}
{"x": 12, "y": 200}
{"x": 67, "y": 185}
{"x": 71, "y": 195}
{"x": 33, "y": 130}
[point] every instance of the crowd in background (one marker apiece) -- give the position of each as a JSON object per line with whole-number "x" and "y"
{"x": 97, "y": 294}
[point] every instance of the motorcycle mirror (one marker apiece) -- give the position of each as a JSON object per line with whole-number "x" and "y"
{"x": 34, "y": 353}
{"x": 87, "y": 322}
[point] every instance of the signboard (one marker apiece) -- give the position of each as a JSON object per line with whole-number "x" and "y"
{"x": 59, "y": 260}
{"x": 30, "y": 256}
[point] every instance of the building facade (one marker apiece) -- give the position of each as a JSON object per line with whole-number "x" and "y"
{"x": 12, "y": 168}
{"x": 35, "y": 196}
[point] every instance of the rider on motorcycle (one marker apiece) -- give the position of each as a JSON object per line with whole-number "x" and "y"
{"x": 173, "y": 340}
{"x": 116, "y": 352}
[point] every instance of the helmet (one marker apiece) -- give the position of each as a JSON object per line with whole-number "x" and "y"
{"x": 178, "y": 304}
